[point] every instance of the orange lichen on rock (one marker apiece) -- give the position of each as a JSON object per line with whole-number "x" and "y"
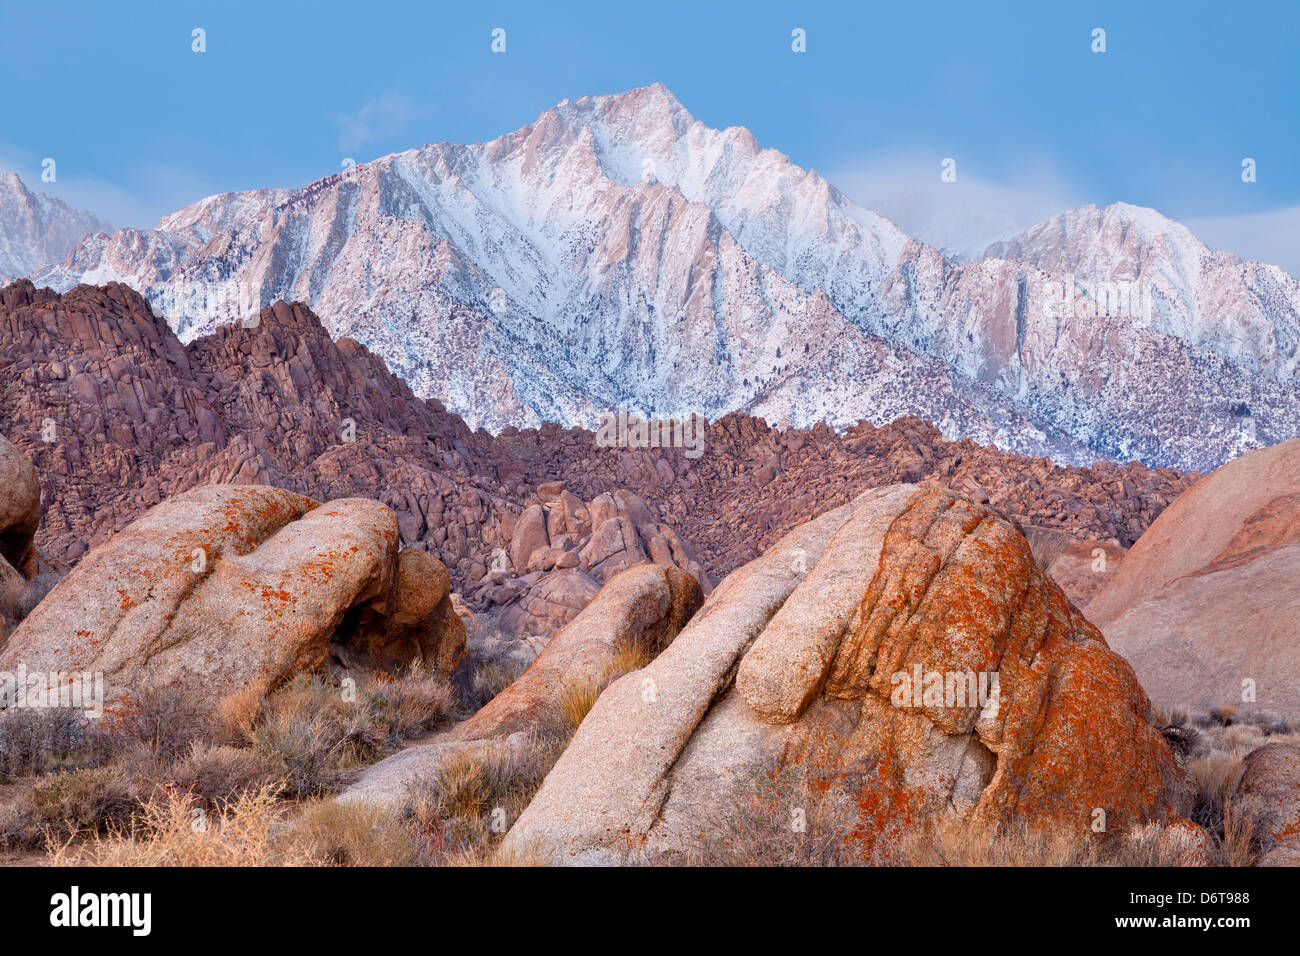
{"x": 278, "y": 581}
{"x": 920, "y": 666}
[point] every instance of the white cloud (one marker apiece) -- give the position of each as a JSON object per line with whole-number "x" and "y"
{"x": 383, "y": 116}
{"x": 961, "y": 217}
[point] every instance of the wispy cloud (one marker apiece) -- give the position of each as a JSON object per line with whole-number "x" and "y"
{"x": 386, "y": 115}
{"x": 961, "y": 217}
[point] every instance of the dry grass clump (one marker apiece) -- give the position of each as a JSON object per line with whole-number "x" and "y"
{"x": 462, "y": 810}
{"x": 787, "y": 817}
{"x": 67, "y": 804}
{"x": 76, "y": 778}
{"x": 169, "y": 830}
{"x": 255, "y": 828}
{"x": 489, "y": 679}
{"x": 577, "y": 697}
{"x": 630, "y": 656}
{"x": 330, "y": 833}
{"x": 315, "y": 732}
{"x": 957, "y": 842}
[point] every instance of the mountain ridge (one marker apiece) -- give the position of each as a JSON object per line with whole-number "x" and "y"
{"x": 617, "y": 252}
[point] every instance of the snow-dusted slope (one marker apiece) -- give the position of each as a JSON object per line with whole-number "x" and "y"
{"x": 1244, "y": 311}
{"x": 36, "y": 229}
{"x": 617, "y": 252}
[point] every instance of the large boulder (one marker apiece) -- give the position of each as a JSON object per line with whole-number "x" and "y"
{"x": 20, "y": 515}
{"x": 1270, "y": 785}
{"x": 226, "y": 587}
{"x": 20, "y": 509}
{"x": 905, "y": 653}
{"x": 419, "y": 624}
{"x": 1205, "y": 606}
{"x": 547, "y": 603}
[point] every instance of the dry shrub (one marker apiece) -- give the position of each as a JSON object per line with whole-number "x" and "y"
{"x": 780, "y": 817}
{"x": 171, "y": 831}
{"x": 415, "y": 703}
{"x": 216, "y": 774}
{"x": 36, "y": 741}
{"x": 330, "y": 833}
{"x": 1243, "y": 738}
{"x": 70, "y": 804}
{"x": 311, "y": 733}
{"x": 1224, "y": 716}
{"x": 490, "y": 679}
{"x": 164, "y": 718}
{"x": 461, "y": 811}
{"x": 1047, "y": 546}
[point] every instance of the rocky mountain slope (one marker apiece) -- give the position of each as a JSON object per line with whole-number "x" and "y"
{"x": 36, "y": 229}
{"x": 117, "y": 414}
{"x": 619, "y": 253}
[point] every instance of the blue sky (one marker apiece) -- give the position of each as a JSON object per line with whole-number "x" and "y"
{"x": 139, "y": 124}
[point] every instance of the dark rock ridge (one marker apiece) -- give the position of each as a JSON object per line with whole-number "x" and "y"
{"x": 117, "y": 415}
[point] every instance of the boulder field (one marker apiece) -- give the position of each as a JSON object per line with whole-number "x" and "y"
{"x": 820, "y": 656}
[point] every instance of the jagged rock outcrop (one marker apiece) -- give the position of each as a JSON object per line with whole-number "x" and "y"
{"x": 1270, "y": 785}
{"x": 118, "y": 415}
{"x": 229, "y": 587}
{"x": 805, "y": 659}
{"x": 562, "y": 550}
{"x": 1206, "y": 605}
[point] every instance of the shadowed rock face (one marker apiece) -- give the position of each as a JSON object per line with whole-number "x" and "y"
{"x": 20, "y": 508}
{"x": 229, "y": 587}
{"x": 1206, "y": 605}
{"x": 24, "y": 575}
{"x": 805, "y": 658}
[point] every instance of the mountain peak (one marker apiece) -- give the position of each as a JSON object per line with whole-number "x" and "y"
{"x": 618, "y": 253}
{"x": 37, "y": 229}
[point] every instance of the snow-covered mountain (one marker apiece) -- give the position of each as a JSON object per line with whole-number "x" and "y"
{"x": 36, "y": 229}
{"x": 619, "y": 253}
